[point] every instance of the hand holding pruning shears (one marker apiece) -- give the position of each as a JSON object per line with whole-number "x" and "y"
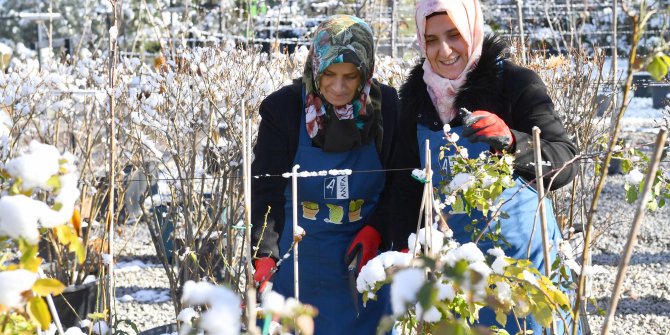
{"x": 483, "y": 126}
{"x": 362, "y": 249}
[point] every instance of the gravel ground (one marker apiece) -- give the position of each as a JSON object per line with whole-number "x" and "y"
{"x": 644, "y": 307}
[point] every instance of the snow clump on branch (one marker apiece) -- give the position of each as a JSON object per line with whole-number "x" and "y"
{"x": 223, "y": 314}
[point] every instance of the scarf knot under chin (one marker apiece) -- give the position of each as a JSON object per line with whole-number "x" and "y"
{"x": 443, "y": 92}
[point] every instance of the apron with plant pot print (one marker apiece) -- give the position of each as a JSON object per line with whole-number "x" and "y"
{"x": 331, "y": 210}
{"x": 516, "y": 230}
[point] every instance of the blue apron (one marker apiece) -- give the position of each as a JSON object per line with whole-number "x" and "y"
{"x": 331, "y": 210}
{"x": 516, "y": 230}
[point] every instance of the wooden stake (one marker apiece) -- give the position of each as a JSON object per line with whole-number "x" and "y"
{"x": 294, "y": 192}
{"x": 540, "y": 198}
{"x": 418, "y": 223}
{"x": 246, "y": 180}
{"x": 539, "y": 183}
{"x": 52, "y": 307}
{"x": 634, "y": 230}
{"x": 428, "y": 211}
{"x": 112, "y": 167}
{"x": 522, "y": 42}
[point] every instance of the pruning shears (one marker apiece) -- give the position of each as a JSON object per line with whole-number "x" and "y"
{"x": 464, "y": 112}
{"x": 352, "y": 272}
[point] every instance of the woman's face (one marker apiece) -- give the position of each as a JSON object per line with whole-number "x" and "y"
{"x": 339, "y": 83}
{"x": 446, "y": 49}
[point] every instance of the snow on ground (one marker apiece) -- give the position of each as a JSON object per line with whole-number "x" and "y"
{"x": 641, "y": 108}
{"x": 133, "y": 265}
{"x": 151, "y": 296}
{"x": 640, "y": 117}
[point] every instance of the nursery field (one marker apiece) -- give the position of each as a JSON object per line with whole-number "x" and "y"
{"x": 184, "y": 133}
{"x": 143, "y": 291}
{"x": 128, "y": 131}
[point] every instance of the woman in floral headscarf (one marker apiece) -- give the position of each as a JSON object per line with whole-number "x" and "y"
{"x": 463, "y": 68}
{"x": 335, "y": 117}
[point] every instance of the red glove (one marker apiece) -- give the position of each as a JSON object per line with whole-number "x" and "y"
{"x": 264, "y": 267}
{"x": 364, "y": 247}
{"x": 483, "y": 126}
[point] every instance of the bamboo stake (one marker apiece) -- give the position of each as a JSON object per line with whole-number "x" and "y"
{"x": 52, "y": 307}
{"x": 615, "y": 66}
{"x": 634, "y": 230}
{"x": 112, "y": 167}
{"x": 539, "y": 183}
{"x": 519, "y": 12}
{"x": 428, "y": 211}
{"x": 294, "y": 192}
{"x": 540, "y": 198}
{"x": 615, "y": 53}
{"x": 418, "y": 223}
{"x": 246, "y": 179}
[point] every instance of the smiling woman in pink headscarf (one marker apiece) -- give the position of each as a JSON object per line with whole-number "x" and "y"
{"x": 462, "y": 68}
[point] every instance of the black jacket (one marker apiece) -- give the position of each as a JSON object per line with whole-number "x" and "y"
{"x": 275, "y": 149}
{"x": 516, "y": 94}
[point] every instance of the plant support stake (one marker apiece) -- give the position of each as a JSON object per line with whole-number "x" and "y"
{"x": 246, "y": 173}
{"x": 52, "y": 307}
{"x": 540, "y": 198}
{"x": 294, "y": 193}
{"x": 634, "y": 230}
{"x": 428, "y": 211}
{"x": 522, "y": 42}
{"x": 112, "y": 168}
{"x": 539, "y": 183}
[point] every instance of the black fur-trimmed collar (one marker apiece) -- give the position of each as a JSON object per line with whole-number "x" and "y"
{"x": 482, "y": 88}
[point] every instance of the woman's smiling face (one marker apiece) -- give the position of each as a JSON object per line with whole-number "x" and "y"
{"x": 446, "y": 50}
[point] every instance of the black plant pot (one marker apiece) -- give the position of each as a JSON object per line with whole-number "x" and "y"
{"x": 641, "y": 82}
{"x": 615, "y": 167}
{"x": 160, "y": 330}
{"x": 209, "y": 256}
{"x": 603, "y": 102}
{"x": 659, "y": 95}
{"x": 76, "y": 303}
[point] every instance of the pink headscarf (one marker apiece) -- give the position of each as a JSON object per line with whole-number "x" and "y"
{"x": 467, "y": 16}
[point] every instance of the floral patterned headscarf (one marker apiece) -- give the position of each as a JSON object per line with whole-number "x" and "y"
{"x": 342, "y": 39}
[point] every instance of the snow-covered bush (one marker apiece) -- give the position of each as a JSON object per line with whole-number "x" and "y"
{"x": 38, "y": 190}
{"x": 216, "y": 310}
{"x": 281, "y": 315}
{"x": 449, "y": 288}
{"x": 441, "y": 283}
{"x": 179, "y": 141}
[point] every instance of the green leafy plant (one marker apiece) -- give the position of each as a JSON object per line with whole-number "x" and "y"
{"x": 658, "y": 66}
{"x": 444, "y": 289}
{"x": 448, "y": 289}
{"x": 475, "y": 183}
{"x": 635, "y": 163}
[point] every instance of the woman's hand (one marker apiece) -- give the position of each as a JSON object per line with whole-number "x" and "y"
{"x": 363, "y": 248}
{"x": 483, "y": 126}
{"x": 264, "y": 267}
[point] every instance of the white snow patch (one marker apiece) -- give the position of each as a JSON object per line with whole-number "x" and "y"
{"x": 405, "y": 286}
{"x": 134, "y": 265}
{"x": 151, "y": 296}
{"x": 13, "y": 283}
